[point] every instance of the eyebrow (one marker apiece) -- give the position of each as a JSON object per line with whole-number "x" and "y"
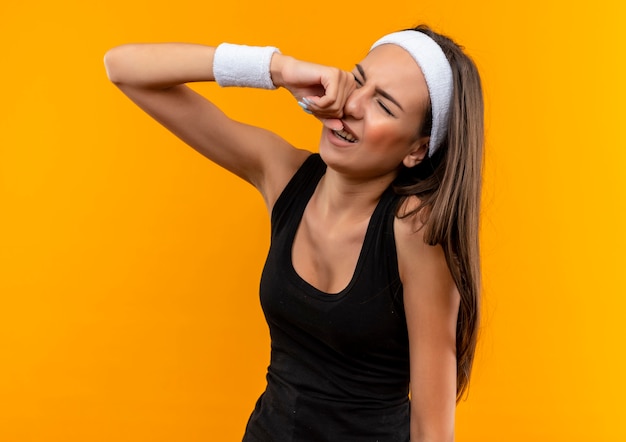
{"x": 378, "y": 90}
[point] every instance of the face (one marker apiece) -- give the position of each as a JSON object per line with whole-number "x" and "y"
{"x": 381, "y": 119}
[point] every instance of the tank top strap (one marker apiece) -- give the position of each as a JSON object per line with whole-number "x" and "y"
{"x": 298, "y": 191}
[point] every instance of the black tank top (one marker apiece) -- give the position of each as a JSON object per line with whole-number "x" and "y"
{"x": 339, "y": 368}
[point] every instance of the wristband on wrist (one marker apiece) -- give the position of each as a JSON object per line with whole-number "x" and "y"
{"x": 243, "y": 66}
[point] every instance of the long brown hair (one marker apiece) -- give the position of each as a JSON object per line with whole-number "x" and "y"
{"x": 448, "y": 185}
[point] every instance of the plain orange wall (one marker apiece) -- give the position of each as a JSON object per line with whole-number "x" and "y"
{"x": 129, "y": 264}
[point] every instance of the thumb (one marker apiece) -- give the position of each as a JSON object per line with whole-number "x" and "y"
{"x": 332, "y": 123}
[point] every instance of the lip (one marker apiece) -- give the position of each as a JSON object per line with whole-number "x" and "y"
{"x": 340, "y": 142}
{"x": 350, "y": 131}
{"x": 335, "y": 140}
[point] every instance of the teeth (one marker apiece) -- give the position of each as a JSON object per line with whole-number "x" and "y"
{"x": 345, "y": 135}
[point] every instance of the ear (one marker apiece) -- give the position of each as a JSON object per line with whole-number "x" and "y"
{"x": 418, "y": 152}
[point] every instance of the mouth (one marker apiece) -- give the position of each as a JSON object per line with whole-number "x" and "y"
{"x": 346, "y": 135}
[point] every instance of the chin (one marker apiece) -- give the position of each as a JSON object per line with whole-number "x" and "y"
{"x": 334, "y": 158}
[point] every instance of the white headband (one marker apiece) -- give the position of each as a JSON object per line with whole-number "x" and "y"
{"x": 437, "y": 72}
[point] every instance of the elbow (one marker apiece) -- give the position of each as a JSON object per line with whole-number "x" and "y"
{"x": 116, "y": 62}
{"x": 111, "y": 65}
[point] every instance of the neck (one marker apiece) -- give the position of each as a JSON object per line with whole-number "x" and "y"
{"x": 345, "y": 198}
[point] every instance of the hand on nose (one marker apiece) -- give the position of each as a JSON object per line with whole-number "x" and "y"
{"x": 331, "y": 123}
{"x": 338, "y": 85}
{"x": 353, "y": 107}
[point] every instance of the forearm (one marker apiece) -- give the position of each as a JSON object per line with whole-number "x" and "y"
{"x": 159, "y": 65}
{"x": 141, "y": 70}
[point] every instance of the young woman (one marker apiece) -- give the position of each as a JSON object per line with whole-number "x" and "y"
{"x": 371, "y": 284}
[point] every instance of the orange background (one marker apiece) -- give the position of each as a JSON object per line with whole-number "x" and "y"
{"x": 129, "y": 264}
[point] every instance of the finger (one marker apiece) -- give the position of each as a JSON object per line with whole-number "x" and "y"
{"x": 332, "y": 123}
{"x": 309, "y": 105}
{"x": 304, "y": 104}
{"x": 333, "y": 102}
{"x": 332, "y": 83}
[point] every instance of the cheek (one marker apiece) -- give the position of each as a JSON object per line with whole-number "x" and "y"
{"x": 388, "y": 134}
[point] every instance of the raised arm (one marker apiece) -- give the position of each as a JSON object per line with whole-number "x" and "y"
{"x": 154, "y": 76}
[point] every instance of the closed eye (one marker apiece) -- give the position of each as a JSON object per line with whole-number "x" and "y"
{"x": 379, "y": 91}
{"x": 385, "y": 108}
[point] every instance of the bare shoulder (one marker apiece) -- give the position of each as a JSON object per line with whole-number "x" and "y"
{"x": 409, "y": 231}
{"x": 421, "y": 265}
{"x": 279, "y": 171}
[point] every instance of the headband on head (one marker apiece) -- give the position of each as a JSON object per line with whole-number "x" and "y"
{"x": 438, "y": 74}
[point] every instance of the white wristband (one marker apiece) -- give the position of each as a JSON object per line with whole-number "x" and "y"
{"x": 244, "y": 66}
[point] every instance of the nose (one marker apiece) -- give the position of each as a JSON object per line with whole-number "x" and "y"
{"x": 354, "y": 103}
